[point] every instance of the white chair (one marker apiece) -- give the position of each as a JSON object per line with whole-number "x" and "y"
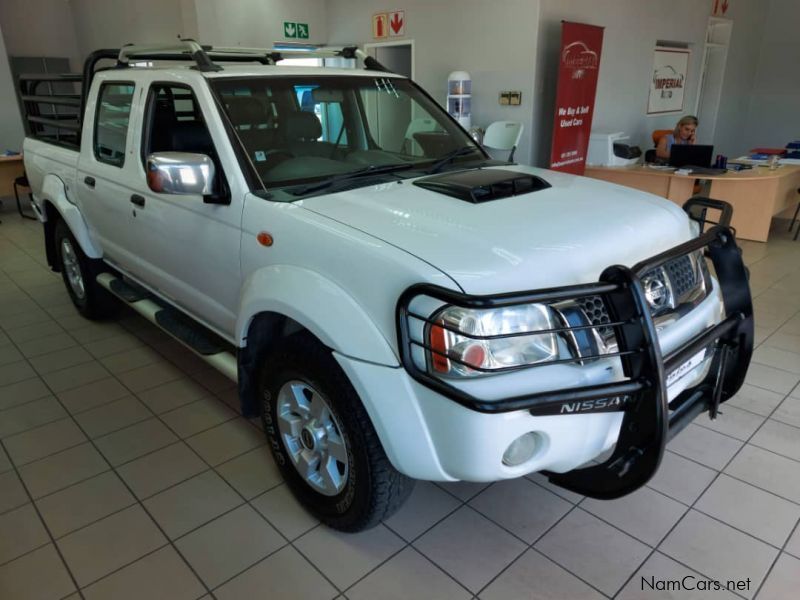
{"x": 503, "y": 135}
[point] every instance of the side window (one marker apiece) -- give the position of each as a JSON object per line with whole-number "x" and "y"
{"x": 175, "y": 122}
{"x": 111, "y": 122}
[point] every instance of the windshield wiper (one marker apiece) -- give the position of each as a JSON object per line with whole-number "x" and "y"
{"x": 334, "y": 179}
{"x": 450, "y": 157}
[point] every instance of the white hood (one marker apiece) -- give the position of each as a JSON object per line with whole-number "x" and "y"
{"x": 562, "y": 235}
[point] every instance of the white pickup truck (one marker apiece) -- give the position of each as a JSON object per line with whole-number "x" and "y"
{"x": 394, "y": 304}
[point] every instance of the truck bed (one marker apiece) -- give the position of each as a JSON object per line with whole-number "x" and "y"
{"x": 44, "y": 158}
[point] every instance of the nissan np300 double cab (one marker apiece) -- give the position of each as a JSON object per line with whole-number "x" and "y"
{"x": 394, "y": 304}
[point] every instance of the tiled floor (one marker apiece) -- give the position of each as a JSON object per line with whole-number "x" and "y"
{"x": 126, "y": 472}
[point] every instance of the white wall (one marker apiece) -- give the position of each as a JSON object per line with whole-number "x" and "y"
{"x": 11, "y": 131}
{"x": 494, "y": 40}
{"x": 773, "y": 115}
{"x": 258, "y": 23}
{"x": 632, "y": 29}
{"x": 39, "y": 28}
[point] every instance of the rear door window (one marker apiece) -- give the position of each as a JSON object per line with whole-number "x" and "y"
{"x": 111, "y": 122}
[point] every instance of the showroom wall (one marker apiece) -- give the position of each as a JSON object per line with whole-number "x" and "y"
{"x": 773, "y": 115}
{"x": 11, "y": 131}
{"x": 495, "y": 44}
{"x": 39, "y": 28}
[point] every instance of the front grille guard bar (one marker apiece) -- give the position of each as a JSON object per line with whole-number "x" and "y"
{"x": 647, "y": 423}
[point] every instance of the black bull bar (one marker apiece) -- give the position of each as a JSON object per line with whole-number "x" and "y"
{"x": 649, "y": 420}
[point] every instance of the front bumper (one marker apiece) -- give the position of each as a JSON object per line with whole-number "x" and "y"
{"x": 649, "y": 419}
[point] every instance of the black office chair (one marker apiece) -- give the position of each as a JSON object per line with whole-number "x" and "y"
{"x": 19, "y": 182}
{"x": 794, "y": 220}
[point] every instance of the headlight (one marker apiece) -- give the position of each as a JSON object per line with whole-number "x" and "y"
{"x": 467, "y": 342}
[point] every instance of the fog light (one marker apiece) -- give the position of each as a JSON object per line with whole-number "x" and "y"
{"x": 521, "y": 449}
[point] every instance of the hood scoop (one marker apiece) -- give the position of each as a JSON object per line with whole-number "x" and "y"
{"x": 483, "y": 185}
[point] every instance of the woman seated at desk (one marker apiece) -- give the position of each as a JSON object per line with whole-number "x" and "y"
{"x": 684, "y": 133}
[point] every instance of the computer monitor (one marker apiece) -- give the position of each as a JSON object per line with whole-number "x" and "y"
{"x": 695, "y": 155}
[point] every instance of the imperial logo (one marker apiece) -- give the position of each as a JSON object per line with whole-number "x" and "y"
{"x": 578, "y": 56}
{"x": 667, "y": 78}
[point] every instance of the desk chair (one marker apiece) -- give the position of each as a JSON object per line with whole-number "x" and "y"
{"x": 650, "y": 155}
{"x": 794, "y": 220}
{"x": 419, "y": 125}
{"x": 503, "y": 135}
{"x": 22, "y": 181}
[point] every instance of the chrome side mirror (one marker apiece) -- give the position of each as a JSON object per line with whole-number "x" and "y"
{"x": 182, "y": 173}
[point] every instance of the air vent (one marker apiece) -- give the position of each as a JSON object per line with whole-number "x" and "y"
{"x": 483, "y": 185}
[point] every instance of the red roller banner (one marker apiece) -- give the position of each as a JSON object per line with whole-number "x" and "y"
{"x": 579, "y": 65}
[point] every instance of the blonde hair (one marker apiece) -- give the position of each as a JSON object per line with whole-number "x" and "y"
{"x": 686, "y": 120}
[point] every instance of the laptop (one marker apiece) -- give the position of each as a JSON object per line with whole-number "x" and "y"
{"x": 690, "y": 155}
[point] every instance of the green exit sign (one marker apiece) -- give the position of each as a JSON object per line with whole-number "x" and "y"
{"x": 295, "y": 30}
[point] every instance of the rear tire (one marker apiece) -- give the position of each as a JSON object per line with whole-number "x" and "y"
{"x": 79, "y": 273}
{"x": 323, "y": 440}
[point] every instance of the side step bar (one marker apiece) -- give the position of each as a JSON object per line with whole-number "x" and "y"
{"x": 194, "y": 336}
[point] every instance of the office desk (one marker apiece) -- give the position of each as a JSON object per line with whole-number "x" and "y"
{"x": 756, "y": 195}
{"x": 10, "y": 168}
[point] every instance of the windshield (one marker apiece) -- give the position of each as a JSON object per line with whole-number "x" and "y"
{"x": 302, "y": 129}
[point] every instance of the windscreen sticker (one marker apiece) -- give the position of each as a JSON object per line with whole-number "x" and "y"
{"x": 261, "y": 156}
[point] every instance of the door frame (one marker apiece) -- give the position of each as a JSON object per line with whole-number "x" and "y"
{"x": 404, "y": 42}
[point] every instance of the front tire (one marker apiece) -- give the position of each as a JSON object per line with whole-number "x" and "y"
{"x": 79, "y": 272}
{"x": 323, "y": 440}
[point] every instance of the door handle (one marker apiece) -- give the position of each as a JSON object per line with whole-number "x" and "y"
{"x": 89, "y": 181}
{"x": 137, "y": 200}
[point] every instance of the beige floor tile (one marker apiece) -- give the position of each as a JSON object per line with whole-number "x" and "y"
{"x": 93, "y": 394}
{"x": 198, "y": 416}
{"x": 283, "y": 510}
{"x": 84, "y": 503}
{"x": 463, "y": 490}
{"x": 521, "y": 507}
{"x": 252, "y": 473}
{"x": 778, "y": 358}
{"x": 750, "y": 509}
{"x": 22, "y": 392}
{"x": 344, "y": 558}
{"x": 755, "y": 399}
{"x": 770, "y": 378}
{"x": 159, "y": 470}
{"x": 26, "y": 333}
{"x": 226, "y": 441}
{"x": 42, "y": 441}
{"x": 192, "y": 503}
{"x": 793, "y": 545}
{"x": 112, "y": 345}
{"x": 93, "y": 332}
{"x": 469, "y": 547}
{"x": 707, "y": 447}
{"x": 149, "y": 376}
{"x": 733, "y": 422}
{"x": 541, "y": 479}
{"x": 779, "y": 438}
{"x": 97, "y": 550}
{"x": 718, "y": 551}
{"x": 12, "y": 493}
{"x": 767, "y": 470}
{"x": 130, "y": 359}
{"x": 533, "y": 575}
{"x": 789, "y": 411}
{"x": 60, "y": 470}
{"x": 171, "y": 395}
{"x": 784, "y": 341}
{"x": 287, "y": 576}
{"x": 596, "y": 552}
{"x": 658, "y": 572}
{"x": 21, "y": 531}
{"x": 36, "y": 576}
{"x": 26, "y": 318}
{"x": 60, "y": 359}
{"x": 75, "y": 377}
{"x": 161, "y": 575}
{"x": 783, "y": 581}
{"x": 46, "y": 345}
{"x": 427, "y": 505}
{"x": 405, "y": 576}
{"x": 9, "y": 354}
{"x": 135, "y": 441}
{"x": 212, "y": 380}
{"x": 15, "y": 372}
{"x": 5, "y": 462}
{"x": 112, "y": 416}
{"x": 645, "y": 514}
{"x": 229, "y": 545}
{"x": 27, "y": 416}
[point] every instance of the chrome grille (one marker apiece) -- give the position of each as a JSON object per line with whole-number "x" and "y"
{"x": 682, "y": 274}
